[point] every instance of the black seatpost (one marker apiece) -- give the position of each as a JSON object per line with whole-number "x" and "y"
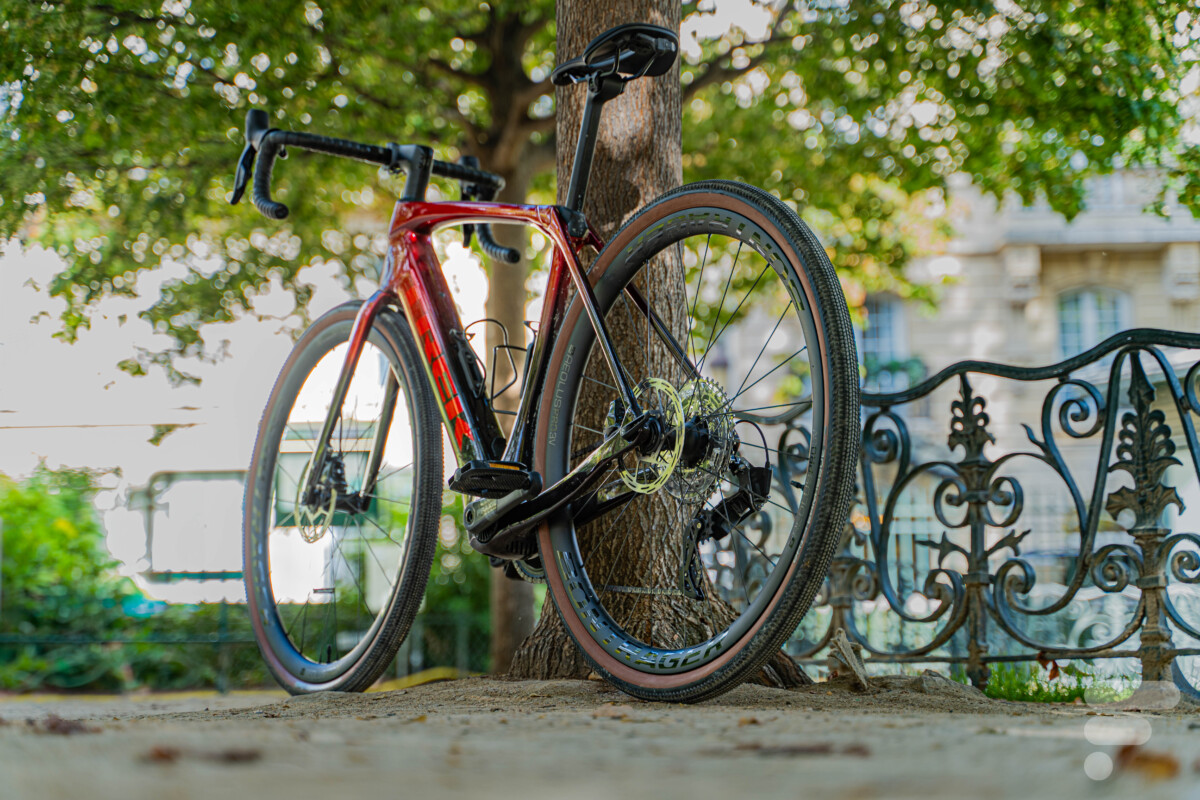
{"x": 601, "y": 89}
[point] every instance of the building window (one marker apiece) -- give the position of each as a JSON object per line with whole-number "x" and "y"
{"x": 1087, "y": 317}
{"x": 883, "y": 345}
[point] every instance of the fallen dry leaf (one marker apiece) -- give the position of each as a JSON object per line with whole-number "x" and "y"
{"x": 1049, "y": 663}
{"x": 818, "y": 749}
{"x": 161, "y": 754}
{"x": 236, "y": 756}
{"x": 165, "y": 754}
{"x": 799, "y": 749}
{"x": 748, "y": 721}
{"x": 1153, "y": 765}
{"x": 421, "y": 718}
{"x": 61, "y": 727}
{"x": 612, "y": 711}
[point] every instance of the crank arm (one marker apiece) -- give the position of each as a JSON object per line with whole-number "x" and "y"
{"x": 593, "y": 508}
{"x": 530, "y": 513}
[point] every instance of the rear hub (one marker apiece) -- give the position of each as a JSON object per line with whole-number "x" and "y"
{"x": 709, "y": 440}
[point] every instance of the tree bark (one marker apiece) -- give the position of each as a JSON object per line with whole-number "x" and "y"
{"x": 638, "y": 157}
{"x": 506, "y": 149}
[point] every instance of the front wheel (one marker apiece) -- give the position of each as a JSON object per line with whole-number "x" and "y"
{"x": 697, "y": 557}
{"x": 334, "y": 575}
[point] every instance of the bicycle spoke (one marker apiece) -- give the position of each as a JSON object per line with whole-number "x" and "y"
{"x": 351, "y": 554}
{"x": 617, "y": 558}
{"x": 387, "y": 535}
{"x": 662, "y": 588}
{"x": 766, "y": 499}
{"x": 664, "y": 336}
{"x": 763, "y": 349}
{"x": 729, "y": 403}
{"x": 700, "y": 280}
{"x": 691, "y": 345}
{"x": 745, "y": 589}
{"x": 736, "y": 411}
{"x": 733, "y": 315}
{"x": 602, "y": 383}
{"x": 720, "y": 307}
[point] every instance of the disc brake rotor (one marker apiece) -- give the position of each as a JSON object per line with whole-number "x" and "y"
{"x": 312, "y": 521}
{"x": 652, "y": 470}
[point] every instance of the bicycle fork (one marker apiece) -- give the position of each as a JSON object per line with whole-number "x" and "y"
{"x": 320, "y": 457}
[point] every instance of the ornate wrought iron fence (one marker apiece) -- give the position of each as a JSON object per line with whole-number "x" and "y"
{"x": 980, "y": 580}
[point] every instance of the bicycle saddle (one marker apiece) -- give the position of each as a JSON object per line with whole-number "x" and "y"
{"x": 627, "y": 51}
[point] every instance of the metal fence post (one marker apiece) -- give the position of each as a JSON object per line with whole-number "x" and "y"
{"x": 223, "y": 654}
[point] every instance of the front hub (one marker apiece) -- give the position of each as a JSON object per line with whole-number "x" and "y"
{"x": 318, "y": 501}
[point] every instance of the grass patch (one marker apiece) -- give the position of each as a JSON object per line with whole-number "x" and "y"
{"x": 1027, "y": 683}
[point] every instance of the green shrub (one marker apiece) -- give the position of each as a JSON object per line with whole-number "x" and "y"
{"x": 59, "y": 589}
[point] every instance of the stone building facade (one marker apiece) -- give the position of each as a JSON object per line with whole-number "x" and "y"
{"x": 1022, "y": 286}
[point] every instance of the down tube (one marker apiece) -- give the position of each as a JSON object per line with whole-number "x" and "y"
{"x": 450, "y": 363}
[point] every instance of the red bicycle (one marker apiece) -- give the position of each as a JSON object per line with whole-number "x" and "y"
{"x": 680, "y": 546}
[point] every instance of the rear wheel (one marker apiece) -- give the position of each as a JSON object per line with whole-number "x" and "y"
{"x": 334, "y": 577}
{"x": 696, "y": 559}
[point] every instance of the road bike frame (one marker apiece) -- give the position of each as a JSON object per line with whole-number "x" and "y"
{"x": 413, "y": 282}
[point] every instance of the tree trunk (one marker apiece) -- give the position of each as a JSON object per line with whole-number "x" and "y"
{"x": 511, "y": 602}
{"x": 638, "y": 157}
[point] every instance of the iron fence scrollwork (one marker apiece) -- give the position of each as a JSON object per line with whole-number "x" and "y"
{"x": 1128, "y": 586}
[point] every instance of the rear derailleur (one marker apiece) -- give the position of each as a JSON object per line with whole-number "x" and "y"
{"x": 754, "y": 484}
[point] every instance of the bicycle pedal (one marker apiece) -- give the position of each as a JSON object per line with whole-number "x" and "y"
{"x": 493, "y": 479}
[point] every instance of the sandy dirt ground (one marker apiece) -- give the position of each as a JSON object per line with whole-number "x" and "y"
{"x": 909, "y": 737}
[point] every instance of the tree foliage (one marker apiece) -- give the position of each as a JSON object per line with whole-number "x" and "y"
{"x": 120, "y": 122}
{"x": 858, "y": 109}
